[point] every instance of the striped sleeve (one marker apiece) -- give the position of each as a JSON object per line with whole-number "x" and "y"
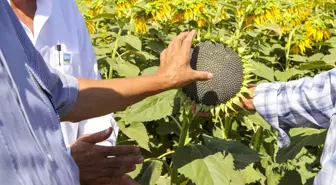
{"x": 308, "y": 102}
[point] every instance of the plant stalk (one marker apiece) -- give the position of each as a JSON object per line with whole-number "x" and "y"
{"x": 114, "y": 52}
{"x": 258, "y": 137}
{"x": 182, "y": 140}
{"x": 184, "y": 132}
{"x": 289, "y": 47}
{"x": 165, "y": 154}
{"x": 175, "y": 120}
{"x": 228, "y": 127}
{"x": 222, "y": 129}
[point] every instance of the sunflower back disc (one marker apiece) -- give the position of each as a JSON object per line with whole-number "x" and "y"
{"x": 227, "y": 68}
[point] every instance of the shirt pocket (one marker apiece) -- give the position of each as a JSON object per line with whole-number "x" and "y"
{"x": 71, "y": 64}
{"x": 66, "y": 62}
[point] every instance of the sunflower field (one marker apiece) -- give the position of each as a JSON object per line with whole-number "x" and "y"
{"x": 278, "y": 40}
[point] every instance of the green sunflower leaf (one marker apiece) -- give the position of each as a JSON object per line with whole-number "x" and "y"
{"x": 286, "y": 75}
{"x": 150, "y": 173}
{"x": 131, "y": 40}
{"x": 123, "y": 67}
{"x": 253, "y": 175}
{"x": 263, "y": 71}
{"x": 242, "y": 154}
{"x": 301, "y": 137}
{"x": 137, "y": 132}
{"x": 203, "y": 166}
{"x": 152, "y": 108}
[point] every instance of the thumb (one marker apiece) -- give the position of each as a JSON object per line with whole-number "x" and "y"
{"x": 202, "y": 76}
{"x": 97, "y": 137}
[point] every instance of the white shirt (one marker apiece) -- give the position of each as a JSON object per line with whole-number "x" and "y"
{"x": 59, "y": 22}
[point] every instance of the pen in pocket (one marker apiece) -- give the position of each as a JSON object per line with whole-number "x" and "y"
{"x": 59, "y": 49}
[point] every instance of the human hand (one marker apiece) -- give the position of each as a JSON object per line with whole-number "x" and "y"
{"x": 175, "y": 63}
{"x": 247, "y": 101}
{"x": 96, "y": 166}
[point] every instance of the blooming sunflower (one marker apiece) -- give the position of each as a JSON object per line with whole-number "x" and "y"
{"x": 301, "y": 42}
{"x": 268, "y": 13}
{"x": 301, "y": 10}
{"x": 301, "y": 46}
{"x": 317, "y": 30}
{"x": 202, "y": 22}
{"x": 123, "y": 5}
{"x": 160, "y": 10}
{"x": 193, "y": 11}
{"x": 92, "y": 9}
{"x": 177, "y": 17}
{"x": 141, "y": 23}
{"x": 91, "y": 27}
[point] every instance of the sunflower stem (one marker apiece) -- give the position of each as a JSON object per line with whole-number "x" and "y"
{"x": 184, "y": 132}
{"x": 228, "y": 127}
{"x": 223, "y": 129}
{"x": 258, "y": 137}
{"x": 175, "y": 120}
{"x": 165, "y": 154}
{"x": 289, "y": 47}
{"x": 182, "y": 141}
{"x": 114, "y": 52}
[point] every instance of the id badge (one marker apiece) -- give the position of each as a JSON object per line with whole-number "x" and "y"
{"x": 70, "y": 64}
{"x": 67, "y": 58}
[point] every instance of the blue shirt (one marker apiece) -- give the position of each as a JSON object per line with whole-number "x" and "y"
{"x": 308, "y": 102}
{"x": 32, "y": 97}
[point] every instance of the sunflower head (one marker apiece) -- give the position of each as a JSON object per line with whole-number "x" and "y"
{"x": 177, "y": 17}
{"x": 202, "y": 22}
{"x": 122, "y": 5}
{"x": 268, "y": 13}
{"x": 160, "y": 10}
{"x": 141, "y": 21}
{"x": 301, "y": 42}
{"x": 317, "y": 30}
{"x": 301, "y": 46}
{"x": 231, "y": 78}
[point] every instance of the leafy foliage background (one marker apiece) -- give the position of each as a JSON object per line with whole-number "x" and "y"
{"x": 288, "y": 39}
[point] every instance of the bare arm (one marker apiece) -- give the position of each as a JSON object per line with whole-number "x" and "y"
{"x": 100, "y": 97}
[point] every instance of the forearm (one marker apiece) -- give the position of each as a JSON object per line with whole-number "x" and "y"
{"x": 308, "y": 102}
{"x": 100, "y": 97}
